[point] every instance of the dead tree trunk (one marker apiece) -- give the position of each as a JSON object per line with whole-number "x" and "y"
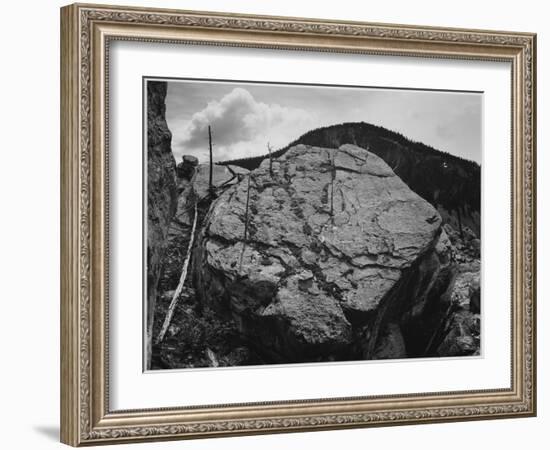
{"x": 332, "y": 178}
{"x": 210, "y": 181}
{"x": 270, "y": 160}
{"x": 246, "y": 211}
{"x": 183, "y": 276}
{"x": 245, "y": 237}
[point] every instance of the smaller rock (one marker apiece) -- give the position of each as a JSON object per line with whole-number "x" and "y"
{"x": 475, "y": 245}
{"x": 186, "y": 169}
{"x": 466, "y": 284}
{"x": 462, "y": 338}
{"x": 191, "y": 160}
{"x": 444, "y": 249}
{"x": 309, "y": 318}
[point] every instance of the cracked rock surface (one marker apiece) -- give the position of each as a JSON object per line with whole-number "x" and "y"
{"x": 161, "y": 193}
{"x": 308, "y": 258}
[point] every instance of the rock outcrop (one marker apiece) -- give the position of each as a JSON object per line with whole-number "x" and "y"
{"x": 161, "y": 193}
{"x": 322, "y": 259}
{"x": 462, "y": 329}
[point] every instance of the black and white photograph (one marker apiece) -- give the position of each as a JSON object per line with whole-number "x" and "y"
{"x": 295, "y": 223}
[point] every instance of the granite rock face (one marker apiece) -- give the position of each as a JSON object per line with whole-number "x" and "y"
{"x": 322, "y": 257}
{"x": 161, "y": 192}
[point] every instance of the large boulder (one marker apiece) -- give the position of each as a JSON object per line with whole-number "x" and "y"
{"x": 314, "y": 260}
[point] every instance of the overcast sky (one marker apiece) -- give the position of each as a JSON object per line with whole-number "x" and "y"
{"x": 246, "y": 116}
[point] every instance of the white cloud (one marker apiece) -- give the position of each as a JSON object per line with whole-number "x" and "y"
{"x": 241, "y": 126}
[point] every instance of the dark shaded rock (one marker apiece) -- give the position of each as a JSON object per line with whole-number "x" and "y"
{"x": 462, "y": 328}
{"x": 462, "y": 218}
{"x": 430, "y": 328}
{"x": 190, "y": 160}
{"x": 463, "y": 335}
{"x": 237, "y": 357}
{"x": 186, "y": 168}
{"x": 391, "y": 344}
{"x": 161, "y": 192}
{"x": 334, "y": 243}
{"x": 467, "y": 245}
{"x": 475, "y": 297}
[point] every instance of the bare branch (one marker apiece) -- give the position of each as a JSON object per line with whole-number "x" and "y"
{"x": 210, "y": 181}
{"x": 212, "y": 358}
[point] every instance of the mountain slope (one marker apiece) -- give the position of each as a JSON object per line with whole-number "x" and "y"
{"x": 450, "y": 183}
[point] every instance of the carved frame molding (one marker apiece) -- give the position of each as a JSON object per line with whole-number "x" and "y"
{"x": 86, "y": 31}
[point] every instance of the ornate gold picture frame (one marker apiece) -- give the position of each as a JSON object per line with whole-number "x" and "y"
{"x": 87, "y": 31}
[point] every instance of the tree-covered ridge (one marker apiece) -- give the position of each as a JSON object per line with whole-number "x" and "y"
{"x": 445, "y": 180}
